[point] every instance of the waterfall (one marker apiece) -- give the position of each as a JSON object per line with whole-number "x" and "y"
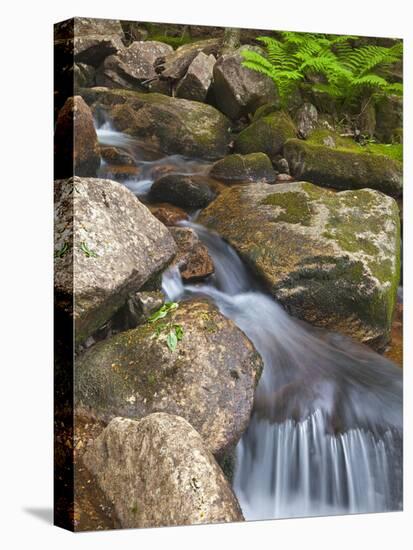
{"x": 325, "y": 434}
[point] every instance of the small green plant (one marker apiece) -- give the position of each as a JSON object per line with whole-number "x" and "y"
{"x": 174, "y": 332}
{"x": 329, "y": 63}
{"x": 62, "y": 251}
{"x": 86, "y": 250}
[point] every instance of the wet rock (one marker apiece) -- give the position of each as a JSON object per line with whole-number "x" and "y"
{"x": 343, "y": 168}
{"x": 306, "y": 119}
{"x": 170, "y": 215}
{"x": 252, "y": 167}
{"x": 209, "y": 378}
{"x": 159, "y": 472}
{"x": 175, "y": 65}
{"x": 332, "y": 259}
{"x": 237, "y": 89}
{"x": 182, "y": 190}
{"x": 114, "y": 155}
{"x": 266, "y": 135}
{"x": 76, "y": 143}
{"x": 167, "y": 124}
{"x": 112, "y": 248}
{"x": 195, "y": 84}
{"x": 193, "y": 258}
{"x": 133, "y": 66}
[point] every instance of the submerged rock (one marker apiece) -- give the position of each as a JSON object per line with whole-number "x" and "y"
{"x": 167, "y": 124}
{"x": 252, "y": 167}
{"x": 343, "y": 168}
{"x": 182, "y": 190}
{"x": 193, "y": 258}
{"x": 133, "y": 66}
{"x": 195, "y": 84}
{"x": 107, "y": 245}
{"x": 208, "y": 378}
{"x": 332, "y": 259}
{"x": 267, "y": 134}
{"x": 159, "y": 472}
{"x": 237, "y": 89}
{"x": 76, "y": 145}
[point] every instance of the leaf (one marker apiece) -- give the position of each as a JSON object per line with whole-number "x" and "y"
{"x": 86, "y": 250}
{"x": 163, "y": 311}
{"x": 172, "y": 340}
{"x": 63, "y": 250}
{"x": 179, "y": 332}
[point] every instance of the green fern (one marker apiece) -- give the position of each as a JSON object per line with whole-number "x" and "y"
{"x": 343, "y": 71}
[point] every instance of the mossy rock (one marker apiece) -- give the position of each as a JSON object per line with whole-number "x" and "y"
{"x": 166, "y": 124}
{"x": 332, "y": 259}
{"x": 244, "y": 168}
{"x": 209, "y": 378}
{"x": 266, "y": 135}
{"x": 343, "y": 168}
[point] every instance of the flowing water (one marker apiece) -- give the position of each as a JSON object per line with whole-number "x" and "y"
{"x": 325, "y": 436}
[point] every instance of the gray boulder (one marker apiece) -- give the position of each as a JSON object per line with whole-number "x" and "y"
{"x": 132, "y": 66}
{"x": 306, "y": 119}
{"x": 237, "y": 89}
{"x": 332, "y": 259}
{"x": 182, "y": 190}
{"x": 107, "y": 245}
{"x": 174, "y": 66}
{"x": 158, "y": 472}
{"x": 195, "y": 84}
{"x": 208, "y": 376}
{"x": 243, "y": 168}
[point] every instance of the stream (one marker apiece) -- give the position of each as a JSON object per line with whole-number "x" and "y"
{"x": 325, "y": 436}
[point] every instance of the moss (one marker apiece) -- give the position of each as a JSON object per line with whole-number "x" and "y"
{"x": 295, "y": 207}
{"x": 174, "y": 41}
{"x": 252, "y": 167}
{"x": 393, "y": 151}
{"x": 266, "y": 135}
{"x": 265, "y": 110}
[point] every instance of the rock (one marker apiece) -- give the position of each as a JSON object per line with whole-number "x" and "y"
{"x": 252, "y": 167}
{"x": 329, "y": 258}
{"x": 132, "y": 66}
{"x": 195, "y": 84}
{"x": 175, "y": 65}
{"x": 266, "y": 109}
{"x": 83, "y": 75}
{"x": 167, "y": 124}
{"x": 88, "y": 40}
{"x": 281, "y": 165}
{"x": 114, "y": 246}
{"x": 75, "y": 140}
{"x": 114, "y": 155}
{"x": 209, "y": 378}
{"x": 266, "y": 135}
{"x": 389, "y": 119}
{"x": 170, "y": 215}
{"x": 343, "y": 168}
{"x": 306, "y": 119}
{"x": 237, "y": 89}
{"x": 182, "y": 190}
{"x": 193, "y": 258}
{"x": 284, "y": 178}
{"x": 158, "y": 472}
{"x": 141, "y": 305}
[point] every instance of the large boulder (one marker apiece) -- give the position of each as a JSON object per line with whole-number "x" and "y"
{"x": 88, "y": 40}
{"x": 208, "y": 376}
{"x": 332, "y": 259}
{"x": 76, "y": 145}
{"x": 158, "y": 472}
{"x": 389, "y": 119}
{"x": 107, "y": 245}
{"x": 182, "y": 190}
{"x": 237, "y": 89}
{"x": 174, "y": 66}
{"x": 343, "y": 168}
{"x": 244, "y": 168}
{"x": 170, "y": 125}
{"x": 132, "y": 66}
{"x": 267, "y": 134}
{"x": 195, "y": 84}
